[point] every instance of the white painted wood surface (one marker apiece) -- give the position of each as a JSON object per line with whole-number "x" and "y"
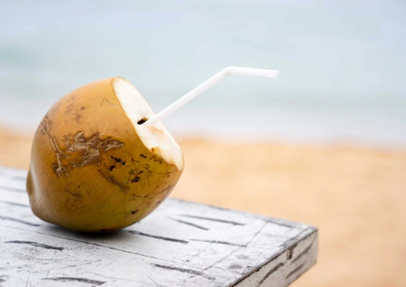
{"x": 180, "y": 244}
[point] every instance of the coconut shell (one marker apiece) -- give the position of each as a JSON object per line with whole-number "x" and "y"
{"x": 90, "y": 171}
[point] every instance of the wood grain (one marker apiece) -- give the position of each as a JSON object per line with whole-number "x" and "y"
{"x": 181, "y": 244}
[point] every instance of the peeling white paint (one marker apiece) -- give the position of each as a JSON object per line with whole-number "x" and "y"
{"x": 180, "y": 244}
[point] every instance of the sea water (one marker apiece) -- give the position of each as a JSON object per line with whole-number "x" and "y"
{"x": 342, "y": 64}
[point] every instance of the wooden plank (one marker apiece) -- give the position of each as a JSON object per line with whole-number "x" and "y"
{"x": 180, "y": 244}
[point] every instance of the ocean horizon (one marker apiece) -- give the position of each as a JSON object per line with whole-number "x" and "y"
{"x": 340, "y": 80}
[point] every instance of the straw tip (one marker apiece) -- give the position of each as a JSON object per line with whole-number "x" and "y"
{"x": 275, "y": 74}
{"x": 240, "y": 71}
{"x": 267, "y": 73}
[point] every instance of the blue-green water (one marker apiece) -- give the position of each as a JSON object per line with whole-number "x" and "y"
{"x": 342, "y": 63}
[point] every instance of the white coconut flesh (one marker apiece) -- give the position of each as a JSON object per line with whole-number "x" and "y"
{"x": 155, "y": 138}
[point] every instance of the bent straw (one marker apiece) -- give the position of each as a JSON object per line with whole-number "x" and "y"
{"x": 208, "y": 84}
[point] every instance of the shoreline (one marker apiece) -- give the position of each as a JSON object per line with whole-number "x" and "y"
{"x": 285, "y": 124}
{"x": 11, "y": 132}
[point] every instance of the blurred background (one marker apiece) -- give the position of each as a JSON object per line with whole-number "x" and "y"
{"x": 323, "y": 144}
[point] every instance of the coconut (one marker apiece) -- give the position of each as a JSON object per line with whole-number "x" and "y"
{"x": 94, "y": 166}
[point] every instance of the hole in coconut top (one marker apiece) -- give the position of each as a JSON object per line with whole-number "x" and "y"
{"x": 139, "y": 112}
{"x": 141, "y": 121}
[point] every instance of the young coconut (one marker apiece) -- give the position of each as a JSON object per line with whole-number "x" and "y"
{"x": 94, "y": 167}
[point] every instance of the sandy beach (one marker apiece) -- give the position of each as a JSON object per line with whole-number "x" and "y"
{"x": 356, "y": 196}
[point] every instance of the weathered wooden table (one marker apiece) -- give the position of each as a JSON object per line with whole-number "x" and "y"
{"x": 181, "y": 244}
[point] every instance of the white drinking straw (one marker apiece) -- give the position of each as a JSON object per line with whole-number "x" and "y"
{"x": 208, "y": 84}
